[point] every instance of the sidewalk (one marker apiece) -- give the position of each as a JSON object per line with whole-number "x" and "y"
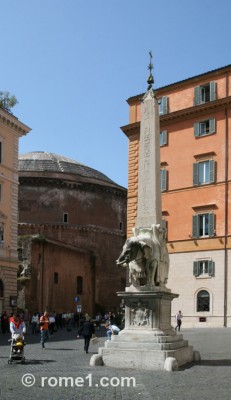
{"x": 62, "y": 371}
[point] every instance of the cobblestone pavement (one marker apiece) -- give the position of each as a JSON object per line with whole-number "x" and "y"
{"x": 64, "y": 358}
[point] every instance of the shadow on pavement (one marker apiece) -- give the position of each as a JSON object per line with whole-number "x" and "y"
{"x": 39, "y": 362}
{"x": 58, "y": 348}
{"x": 59, "y": 336}
{"x": 215, "y": 363}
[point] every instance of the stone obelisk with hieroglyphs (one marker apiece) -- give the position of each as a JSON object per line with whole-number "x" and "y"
{"x": 149, "y": 195}
{"x": 148, "y": 341}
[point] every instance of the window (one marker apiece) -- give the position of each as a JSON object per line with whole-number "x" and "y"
{"x": 79, "y": 285}
{"x": 1, "y": 233}
{"x": 1, "y": 289}
{"x": 0, "y": 152}
{"x": 204, "y": 128}
{"x": 203, "y": 225}
{"x": 0, "y": 192}
{"x": 65, "y": 218}
{"x": 163, "y": 138}
{"x": 163, "y": 179}
{"x": 163, "y": 105}
{"x": 203, "y": 172}
{"x": 203, "y": 301}
{"x": 121, "y": 226}
{"x": 203, "y": 268}
{"x": 205, "y": 93}
{"x": 56, "y": 277}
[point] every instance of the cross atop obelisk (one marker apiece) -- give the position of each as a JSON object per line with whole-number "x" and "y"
{"x": 149, "y": 192}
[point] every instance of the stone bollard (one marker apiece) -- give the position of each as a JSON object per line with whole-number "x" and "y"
{"x": 96, "y": 360}
{"x": 170, "y": 364}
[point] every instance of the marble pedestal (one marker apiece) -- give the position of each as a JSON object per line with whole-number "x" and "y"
{"x": 148, "y": 340}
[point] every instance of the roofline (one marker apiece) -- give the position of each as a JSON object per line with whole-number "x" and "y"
{"x": 9, "y": 119}
{"x": 196, "y": 77}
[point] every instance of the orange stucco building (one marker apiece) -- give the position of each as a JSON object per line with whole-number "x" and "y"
{"x": 195, "y": 137}
{"x": 11, "y": 129}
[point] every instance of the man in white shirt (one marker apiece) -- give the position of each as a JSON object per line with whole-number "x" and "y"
{"x": 178, "y": 317}
{"x": 112, "y": 329}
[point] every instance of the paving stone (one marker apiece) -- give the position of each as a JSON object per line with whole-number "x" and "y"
{"x": 64, "y": 357}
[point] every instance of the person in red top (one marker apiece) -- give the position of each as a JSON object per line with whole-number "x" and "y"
{"x": 17, "y": 325}
{"x": 44, "y": 324}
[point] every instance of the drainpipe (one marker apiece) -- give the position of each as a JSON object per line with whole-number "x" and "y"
{"x": 41, "y": 277}
{"x": 226, "y": 216}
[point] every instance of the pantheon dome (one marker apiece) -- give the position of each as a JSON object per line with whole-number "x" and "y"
{"x": 72, "y": 227}
{"x": 41, "y": 161}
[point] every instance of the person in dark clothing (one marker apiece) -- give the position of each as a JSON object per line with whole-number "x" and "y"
{"x": 87, "y": 330}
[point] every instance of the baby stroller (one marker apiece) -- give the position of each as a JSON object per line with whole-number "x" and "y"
{"x": 17, "y": 349}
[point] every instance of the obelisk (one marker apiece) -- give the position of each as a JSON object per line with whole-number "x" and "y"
{"x": 148, "y": 340}
{"x": 149, "y": 194}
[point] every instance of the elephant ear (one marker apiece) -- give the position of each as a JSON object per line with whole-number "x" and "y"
{"x": 146, "y": 249}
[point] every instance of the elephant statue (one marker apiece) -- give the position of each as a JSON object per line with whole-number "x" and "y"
{"x": 147, "y": 258}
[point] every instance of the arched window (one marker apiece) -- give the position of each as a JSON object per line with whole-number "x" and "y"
{"x": 203, "y": 301}
{"x": 1, "y": 289}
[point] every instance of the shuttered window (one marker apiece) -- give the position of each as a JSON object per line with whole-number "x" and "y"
{"x": 204, "y": 128}
{"x": 204, "y": 267}
{"x": 203, "y": 172}
{"x": 203, "y": 225}
{"x": 205, "y": 93}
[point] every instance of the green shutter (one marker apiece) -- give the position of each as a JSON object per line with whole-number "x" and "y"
{"x": 213, "y": 91}
{"x": 211, "y": 268}
{"x": 195, "y": 174}
{"x": 197, "y": 95}
{"x": 165, "y": 137}
{"x": 212, "y": 128}
{"x": 195, "y": 226}
{"x": 164, "y": 227}
{"x": 211, "y": 170}
{"x": 163, "y": 180}
{"x": 164, "y": 105}
{"x": 197, "y": 129}
{"x": 211, "y": 224}
{"x": 163, "y": 223}
{"x": 195, "y": 268}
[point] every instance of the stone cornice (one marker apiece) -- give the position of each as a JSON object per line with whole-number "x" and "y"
{"x": 59, "y": 182}
{"x": 81, "y": 228}
{"x": 183, "y": 114}
{"x": 13, "y": 123}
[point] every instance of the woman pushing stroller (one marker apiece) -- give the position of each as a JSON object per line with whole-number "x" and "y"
{"x": 17, "y": 329}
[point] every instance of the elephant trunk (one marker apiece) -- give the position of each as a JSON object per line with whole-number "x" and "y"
{"x": 121, "y": 262}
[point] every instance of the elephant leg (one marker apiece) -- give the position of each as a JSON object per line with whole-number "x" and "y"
{"x": 152, "y": 272}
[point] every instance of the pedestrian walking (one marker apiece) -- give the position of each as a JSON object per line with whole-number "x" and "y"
{"x": 44, "y": 326}
{"x": 51, "y": 324}
{"x": 34, "y": 323}
{"x": 178, "y": 317}
{"x": 87, "y": 330}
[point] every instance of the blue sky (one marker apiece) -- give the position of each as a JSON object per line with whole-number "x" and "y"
{"x": 72, "y": 64}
